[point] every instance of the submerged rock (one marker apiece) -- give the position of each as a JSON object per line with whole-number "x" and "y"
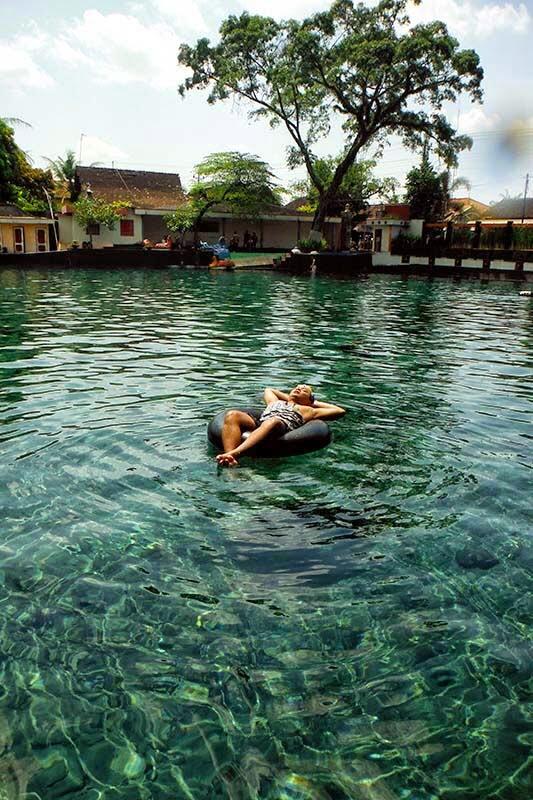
{"x": 476, "y": 559}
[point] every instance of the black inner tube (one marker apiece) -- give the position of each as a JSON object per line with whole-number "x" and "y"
{"x": 311, "y": 436}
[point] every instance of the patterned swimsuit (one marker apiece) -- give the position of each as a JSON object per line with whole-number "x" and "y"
{"x": 286, "y": 412}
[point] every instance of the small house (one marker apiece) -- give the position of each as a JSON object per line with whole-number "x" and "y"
{"x": 21, "y": 232}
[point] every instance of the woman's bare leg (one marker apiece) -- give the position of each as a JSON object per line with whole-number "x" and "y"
{"x": 235, "y": 424}
{"x": 229, "y": 457}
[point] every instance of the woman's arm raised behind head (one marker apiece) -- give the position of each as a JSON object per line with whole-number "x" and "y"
{"x": 271, "y": 395}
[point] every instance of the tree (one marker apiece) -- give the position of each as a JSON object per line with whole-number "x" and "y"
{"x": 450, "y": 185}
{"x": 20, "y": 182}
{"x": 93, "y": 211}
{"x": 424, "y": 192}
{"x": 429, "y": 192}
{"x": 12, "y": 121}
{"x": 357, "y": 188}
{"x": 361, "y": 62}
{"x": 64, "y": 172}
{"x": 241, "y": 182}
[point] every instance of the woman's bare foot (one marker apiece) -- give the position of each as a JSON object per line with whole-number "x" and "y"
{"x": 227, "y": 460}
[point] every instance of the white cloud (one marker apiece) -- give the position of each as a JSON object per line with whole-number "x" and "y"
{"x": 285, "y": 9}
{"x": 95, "y": 149}
{"x": 477, "y": 120}
{"x": 475, "y": 18}
{"x": 18, "y": 69}
{"x": 190, "y": 18}
{"x": 119, "y": 48}
{"x": 503, "y": 17}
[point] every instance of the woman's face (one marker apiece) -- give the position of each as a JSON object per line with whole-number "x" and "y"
{"x": 302, "y": 394}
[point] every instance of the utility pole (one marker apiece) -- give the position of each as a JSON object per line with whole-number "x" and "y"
{"x": 525, "y": 198}
{"x": 81, "y": 144}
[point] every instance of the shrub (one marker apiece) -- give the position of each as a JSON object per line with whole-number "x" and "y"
{"x": 405, "y": 243}
{"x": 310, "y": 244}
{"x": 523, "y": 238}
{"x": 462, "y": 237}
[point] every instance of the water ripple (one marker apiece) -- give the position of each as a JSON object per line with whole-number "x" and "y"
{"x": 349, "y": 624}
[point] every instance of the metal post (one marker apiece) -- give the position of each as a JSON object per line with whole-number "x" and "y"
{"x": 525, "y": 198}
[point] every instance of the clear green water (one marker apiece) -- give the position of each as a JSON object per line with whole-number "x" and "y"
{"x": 347, "y": 624}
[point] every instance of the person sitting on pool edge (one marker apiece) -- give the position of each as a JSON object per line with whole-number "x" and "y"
{"x": 283, "y": 413}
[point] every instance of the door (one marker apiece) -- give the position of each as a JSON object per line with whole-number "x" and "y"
{"x": 41, "y": 240}
{"x": 18, "y": 235}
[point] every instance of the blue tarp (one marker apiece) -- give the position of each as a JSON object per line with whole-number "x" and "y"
{"x": 218, "y": 250}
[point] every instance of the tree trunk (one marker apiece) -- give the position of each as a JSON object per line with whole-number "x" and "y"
{"x": 330, "y": 193}
{"x": 320, "y": 216}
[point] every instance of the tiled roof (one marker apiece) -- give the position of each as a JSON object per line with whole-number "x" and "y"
{"x": 142, "y": 189}
{"x": 12, "y": 211}
{"x": 511, "y": 209}
{"x": 296, "y": 204}
{"x": 400, "y": 211}
{"x": 462, "y": 202}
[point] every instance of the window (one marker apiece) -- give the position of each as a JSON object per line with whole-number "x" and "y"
{"x": 126, "y": 227}
{"x": 93, "y": 230}
{"x": 41, "y": 239}
{"x": 19, "y": 239}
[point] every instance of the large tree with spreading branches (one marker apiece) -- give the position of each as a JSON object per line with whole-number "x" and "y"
{"x": 363, "y": 63}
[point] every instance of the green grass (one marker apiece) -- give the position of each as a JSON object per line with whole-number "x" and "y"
{"x": 246, "y": 255}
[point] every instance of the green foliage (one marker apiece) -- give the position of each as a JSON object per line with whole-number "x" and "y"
{"x": 523, "y": 238}
{"x": 362, "y": 63}
{"x": 10, "y": 162}
{"x": 312, "y": 244}
{"x": 31, "y": 204}
{"x": 91, "y": 211}
{"x": 405, "y": 243}
{"x": 183, "y": 219}
{"x": 492, "y": 238}
{"x": 462, "y": 237}
{"x": 358, "y": 186}
{"x": 20, "y": 182}
{"x": 424, "y": 192}
{"x": 64, "y": 172}
{"x": 240, "y": 182}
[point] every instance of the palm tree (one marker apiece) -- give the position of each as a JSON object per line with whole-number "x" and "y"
{"x": 449, "y": 186}
{"x": 64, "y": 172}
{"x": 11, "y": 121}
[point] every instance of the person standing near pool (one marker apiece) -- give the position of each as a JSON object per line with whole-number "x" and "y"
{"x": 283, "y": 413}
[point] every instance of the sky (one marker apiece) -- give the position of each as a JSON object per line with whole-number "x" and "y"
{"x": 101, "y": 76}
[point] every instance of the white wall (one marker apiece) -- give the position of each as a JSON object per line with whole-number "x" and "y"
{"x": 70, "y": 231}
{"x": 386, "y": 259}
{"x": 277, "y": 233}
{"x": 415, "y": 227}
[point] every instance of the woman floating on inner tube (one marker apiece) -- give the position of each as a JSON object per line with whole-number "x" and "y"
{"x": 283, "y": 413}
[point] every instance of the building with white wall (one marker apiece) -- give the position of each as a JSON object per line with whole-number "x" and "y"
{"x": 149, "y": 196}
